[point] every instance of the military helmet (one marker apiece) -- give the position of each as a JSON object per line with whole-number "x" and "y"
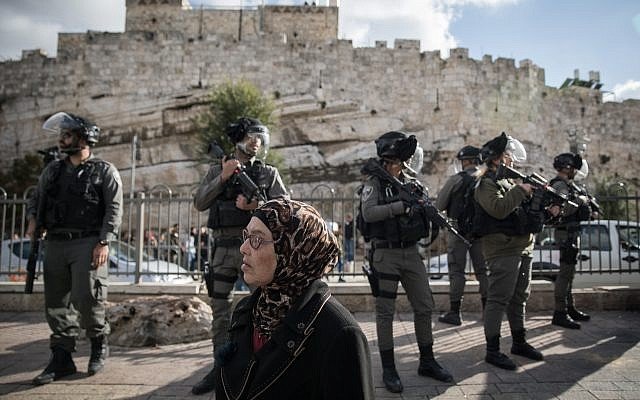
{"x": 245, "y": 126}
{"x": 66, "y": 122}
{"x": 503, "y": 144}
{"x": 567, "y": 160}
{"x": 468, "y": 153}
{"x": 396, "y": 145}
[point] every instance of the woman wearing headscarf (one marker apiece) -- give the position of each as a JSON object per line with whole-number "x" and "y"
{"x": 290, "y": 339}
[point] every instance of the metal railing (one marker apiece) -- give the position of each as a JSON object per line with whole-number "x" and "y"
{"x": 164, "y": 238}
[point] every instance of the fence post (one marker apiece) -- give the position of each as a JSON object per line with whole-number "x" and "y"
{"x": 139, "y": 240}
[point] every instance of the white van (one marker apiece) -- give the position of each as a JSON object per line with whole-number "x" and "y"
{"x": 609, "y": 254}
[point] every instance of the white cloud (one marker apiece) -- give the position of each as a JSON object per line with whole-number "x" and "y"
{"x": 628, "y": 90}
{"x": 29, "y": 24}
{"x": 365, "y": 21}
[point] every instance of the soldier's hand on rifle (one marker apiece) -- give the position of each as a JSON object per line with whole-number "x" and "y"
{"x": 527, "y": 188}
{"x": 229, "y": 166}
{"x": 243, "y": 204}
{"x": 554, "y": 210}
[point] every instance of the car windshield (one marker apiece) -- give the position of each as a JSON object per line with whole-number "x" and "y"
{"x": 126, "y": 252}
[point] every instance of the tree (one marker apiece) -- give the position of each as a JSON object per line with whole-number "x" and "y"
{"x": 227, "y": 103}
{"x": 24, "y": 172}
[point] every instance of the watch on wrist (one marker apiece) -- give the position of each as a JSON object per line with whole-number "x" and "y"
{"x": 103, "y": 242}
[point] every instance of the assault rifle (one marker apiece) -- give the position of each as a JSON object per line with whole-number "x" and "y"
{"x": 249, "y": 188}
{"x": 538, "y": 181}
{"x": 414, "y": 195}
{"x": 593, "y": 203}
{"x": 32, "y": 262}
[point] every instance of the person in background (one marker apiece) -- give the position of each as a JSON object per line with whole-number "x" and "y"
{"x": 291, "y": 339}
{"x": 229, "y": 213}
{"x": 456, "y": 197}
{"x": 505, "y": 224}
{"x": 395, "y": 231}
{"x": 78, "y": 204}
{"x": 349, "y": 251}
{"x": 567, "y": 235}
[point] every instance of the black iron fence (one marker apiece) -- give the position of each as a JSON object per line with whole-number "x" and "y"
{"x": 164, "y": 239}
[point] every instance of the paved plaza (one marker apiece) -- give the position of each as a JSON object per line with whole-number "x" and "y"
{"x": 600, "y": 361}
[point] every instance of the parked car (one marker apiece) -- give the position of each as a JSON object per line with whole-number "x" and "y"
{"x": 609, "y": 254}
{"x": 14, "y": 255}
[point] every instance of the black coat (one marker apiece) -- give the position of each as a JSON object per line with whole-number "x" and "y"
{"x": 317, "y": 352}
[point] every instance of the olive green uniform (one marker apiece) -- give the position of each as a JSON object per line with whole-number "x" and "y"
{"x": 226, "y": 223}
{"x": 508, "y": 258}
{"x": 456, "y": 248}
{"x": 567, "y": 237}
{"x": 81, "y": 205}
{"x": 396, "y": 261}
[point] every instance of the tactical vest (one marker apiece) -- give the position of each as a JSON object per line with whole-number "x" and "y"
{"x": 75, "y": 200}
{"x": 513, "y": 225}
{"x": 583, "y": 213}
{"x": 224, "y": 213}
{"x": 457, "y": 201}
{"x": 401, "y": 228}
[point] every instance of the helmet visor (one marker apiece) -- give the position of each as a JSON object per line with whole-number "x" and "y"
{"x": 583, "y": 171}
{"x": 516, "y": 150}
{"x": 60, "y": 122}
{"x": 414, "y": 163}
{"x": 256, "y": 132}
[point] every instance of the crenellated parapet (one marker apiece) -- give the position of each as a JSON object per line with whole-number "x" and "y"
{"x": 333, "y": 99}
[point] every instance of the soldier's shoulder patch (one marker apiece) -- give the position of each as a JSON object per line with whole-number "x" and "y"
{"x": 366, "y": 192}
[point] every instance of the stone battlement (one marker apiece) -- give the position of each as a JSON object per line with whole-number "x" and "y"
{"x": 333, "y": 99}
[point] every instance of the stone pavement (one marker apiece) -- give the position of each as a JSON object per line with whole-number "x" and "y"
{"x": 601, "y": 361}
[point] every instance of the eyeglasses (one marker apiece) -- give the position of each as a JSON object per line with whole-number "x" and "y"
{"x": 255, "y": 241}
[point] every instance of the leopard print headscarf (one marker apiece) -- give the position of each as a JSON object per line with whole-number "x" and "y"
{"x": 305, "y": 250}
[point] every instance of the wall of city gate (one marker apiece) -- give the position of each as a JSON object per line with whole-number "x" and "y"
{"x": 333, "y": 99}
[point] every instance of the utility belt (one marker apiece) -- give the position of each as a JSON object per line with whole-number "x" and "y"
{"x": 64, "y": 236}
{"x": 228, "y": 242}
{"x": 386, "y": 244}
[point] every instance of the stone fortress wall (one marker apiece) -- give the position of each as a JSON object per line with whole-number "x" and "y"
{"x": 333, "y": 99}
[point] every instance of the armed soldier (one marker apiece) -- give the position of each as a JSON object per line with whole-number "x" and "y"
{"x": 394, "y": 231}
{"x": 505, "y": 220}
{"x": 456, "y": 197}
{"x": 78, "y": 203}
{"x": 570, "y": 166}
{"x": 229, "y": 213}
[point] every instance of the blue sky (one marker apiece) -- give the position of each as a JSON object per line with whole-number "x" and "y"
{"x": 559, "y": 36}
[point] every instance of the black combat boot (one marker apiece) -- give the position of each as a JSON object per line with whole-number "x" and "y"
{"x": 561, "y": 318}
{"x": 520, "y": 346}
{"x": 577, "y": 315}
{"x": 430, "y": 367}
{"x": 573, "y": 312}
{"x": 452, "y": 317}
{"x": 389, "y": 374}
{"x": 99, "y": 353}
{"x": 496, "y": 358}
{"x": 207, "y": 384}
{"x": 61, "y": 364}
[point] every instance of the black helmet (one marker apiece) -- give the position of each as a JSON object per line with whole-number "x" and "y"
{"x": 468, "y": 153}
{"x": 503, "y": 144}
{"x": 494, "y": 147}
{"x": 396, "y": 144}
{"x": 566, "y": 160}
{"x": 243, "y": 125}
{"x": 67, "y": 122}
